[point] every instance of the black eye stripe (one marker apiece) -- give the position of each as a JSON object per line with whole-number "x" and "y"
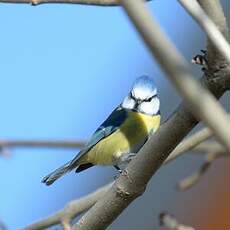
{"x": 145, "y": 100}
{"x": 150, "y": 98}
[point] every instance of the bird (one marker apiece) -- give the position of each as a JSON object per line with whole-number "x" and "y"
{"x": 119, "y": 138}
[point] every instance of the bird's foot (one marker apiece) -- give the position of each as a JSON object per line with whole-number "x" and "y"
{"x": 128, "y": 157}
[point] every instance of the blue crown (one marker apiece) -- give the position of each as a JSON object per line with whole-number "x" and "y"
{"x": 145, "y": 86}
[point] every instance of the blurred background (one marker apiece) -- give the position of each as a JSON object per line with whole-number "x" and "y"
{"x": 64, "y": 68}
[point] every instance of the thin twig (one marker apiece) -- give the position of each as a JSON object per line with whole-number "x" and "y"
{"x": 216, "y": 61}
{"x": 193, "y": 179}
{"x": 81, "y": 2}
{"x": 65, "y": 216}
{"x": 84, "y": 203}
{"x": 41, "y": 143}
{"x": 75, "y": 208}
{"x": 121, "y": 191}
{"x": 201, "y": 102}
{"x": 189, "y": 143}
{"x": 70, "y": 211}
{"x": 213, "y": 33}
{"x": 171, "y": 223}
{"x": 186, "y": 145}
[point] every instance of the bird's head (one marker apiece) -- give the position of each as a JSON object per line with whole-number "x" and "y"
{"x": 143, "y": 97}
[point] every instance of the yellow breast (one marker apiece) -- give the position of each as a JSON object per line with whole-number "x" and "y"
{"x": 131, "y": 135}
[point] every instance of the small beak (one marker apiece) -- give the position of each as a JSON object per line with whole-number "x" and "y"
{"x": 138, "y": 102}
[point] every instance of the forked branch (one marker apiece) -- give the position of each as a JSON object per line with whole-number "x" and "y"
{"x": 134, "y": 179}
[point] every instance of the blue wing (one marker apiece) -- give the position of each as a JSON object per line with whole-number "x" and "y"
{"x": 110, "y": 125}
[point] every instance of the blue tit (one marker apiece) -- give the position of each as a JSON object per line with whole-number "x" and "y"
{"x": 122, "y": 135}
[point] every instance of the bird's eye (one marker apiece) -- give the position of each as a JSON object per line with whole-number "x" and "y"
{"x": 150, "y": 98}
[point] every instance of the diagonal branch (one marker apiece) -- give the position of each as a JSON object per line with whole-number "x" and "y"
{"x": 135, "y": 177}
{"x": 132, "y": 183}
{"x": 193, "y": 179}
{"x": 201, "y": 102}
{"x": 215, "y": 36}
{"x": 70, "y": 211}
{"x": 77, "y": 207}
{"x": 186, "y": 145}
{"x": 189, "y": 143}
{"x": 213, "y": 151}
{"x": 214, "y": 10}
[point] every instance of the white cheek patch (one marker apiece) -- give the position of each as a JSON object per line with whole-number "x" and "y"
{"x": 128, "y": 103}
{"x": 151, "y": 107}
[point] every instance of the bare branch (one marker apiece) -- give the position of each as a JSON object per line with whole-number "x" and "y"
{"x": 214, "y": 151}
{"x": 214, "y": 10}
{"x": 75, "y": 208}
{"x": 72, "y": 210}
{"x": 202, "y": 103}
{"x": 186, "y": 145}
{"x": 170, "y": 222}
{"x": 81, "y": 2}
{"x": 213, "y": 33}
{"x": 135, "y": 177}
{"x": 193, "y": 142}
{"x": 4, "y": 144}
{"x": 189, "y": 143}
{"x": 193, "y": 179}
{"x": 159, "y": 141}
{"x": 209, "y": 146}
{"x": 132, "y": 183}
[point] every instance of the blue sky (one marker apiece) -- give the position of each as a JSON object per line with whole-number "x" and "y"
{"x": 63, "y": 69}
